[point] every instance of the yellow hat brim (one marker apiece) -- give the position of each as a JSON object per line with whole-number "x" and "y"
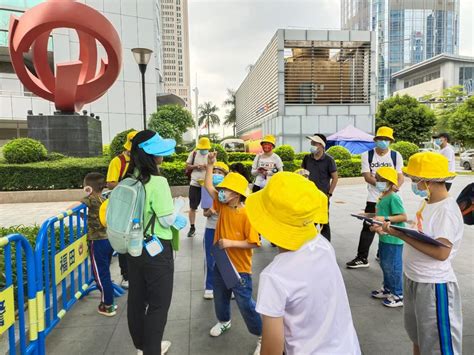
{"x": 226, "y": 185}
{"x": 411, "y": 175}
{"x": 128, "y": 145}
{"x": 203, "y": 146}
{"x": 283, "y": 235}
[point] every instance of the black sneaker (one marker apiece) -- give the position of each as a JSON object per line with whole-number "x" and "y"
{"x": 357, "y": 263}
{"x": 192, "y": 232}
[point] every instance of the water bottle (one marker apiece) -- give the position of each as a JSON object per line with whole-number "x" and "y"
{"x": 135, "y": 243}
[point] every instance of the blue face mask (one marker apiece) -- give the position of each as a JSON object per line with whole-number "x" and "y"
{"x": 438, "y": 141}
{"x": 204, "y": 151}
{"x": 313, "y": 149}
{"x": 382, "y": 144}
{"x": 221, "y": 196}
{"x": 217, "y": 179}
{"x": 381, "y": 186}
{"x": 417, "y": 191}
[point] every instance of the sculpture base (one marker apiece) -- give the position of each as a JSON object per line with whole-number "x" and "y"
{"x": 69, "y": 134}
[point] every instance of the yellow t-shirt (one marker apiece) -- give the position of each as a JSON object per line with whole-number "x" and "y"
{"x": 114, "y": 169}
{"x": 234, "y": 224}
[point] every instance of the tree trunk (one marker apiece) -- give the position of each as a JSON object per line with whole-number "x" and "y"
{"x": 234, "y": 130}
{"x": 209, "y": 128}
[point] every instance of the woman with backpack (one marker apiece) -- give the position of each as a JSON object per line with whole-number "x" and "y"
{"x": 151, "y": 273}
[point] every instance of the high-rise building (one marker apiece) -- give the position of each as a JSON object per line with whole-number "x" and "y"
{"x": 408, "y": 32}
{"x": 137, "y": 23}
{"x": 176, "y": 48}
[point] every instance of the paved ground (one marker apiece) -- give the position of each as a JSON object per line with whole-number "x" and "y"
{"x": 380, "y": 330}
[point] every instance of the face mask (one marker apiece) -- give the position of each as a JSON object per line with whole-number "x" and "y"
{"x": 313, "y": 149}
{"x": 381, "y": 186}
{"x": 417, "y": 191}
{"x": 204, "y": 151}
{"x": 382, "y": 144}
{"x": 221, "y": 196}
{"x": 217, "y": 179}
{"x": 438, "y": 141}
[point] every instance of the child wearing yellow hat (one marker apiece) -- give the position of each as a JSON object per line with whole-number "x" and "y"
{"x": 389, "y": 208}
{"x": 220, "y": 171}
{"x": 301, "y": 293}
{"x": 432, "y": 311}
{"x": 235, "y": 234}
{"x": 266, "y": 163}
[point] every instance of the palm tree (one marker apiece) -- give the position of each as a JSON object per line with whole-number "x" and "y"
{"x": 207, "y": 113}
{"x": 230, "y": 118}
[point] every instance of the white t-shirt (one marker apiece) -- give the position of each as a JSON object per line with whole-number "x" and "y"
{"x": 440, "y": 220}
{"x": 212, "y": 221}
{"x": 378, "y": 162}
{"x": 306, "y": 288}
{"x": 197, "y": 174}
{"x": 448, "y": 152}
{"x": 269, "y": 164}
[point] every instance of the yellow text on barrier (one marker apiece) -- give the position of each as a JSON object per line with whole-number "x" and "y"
{"x": 70, "y": 258}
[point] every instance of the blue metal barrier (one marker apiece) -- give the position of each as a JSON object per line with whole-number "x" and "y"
{"x": 8, "y": 295}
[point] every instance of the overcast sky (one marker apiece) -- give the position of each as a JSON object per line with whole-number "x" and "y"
{"x": 228, "y": 35}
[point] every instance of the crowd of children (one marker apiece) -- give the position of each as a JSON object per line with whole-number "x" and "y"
{"x": 302, "y": 306}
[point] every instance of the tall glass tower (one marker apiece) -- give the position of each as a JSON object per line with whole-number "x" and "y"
{"x": 408, "y": 32}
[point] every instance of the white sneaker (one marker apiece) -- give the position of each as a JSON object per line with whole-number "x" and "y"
{"x": 139, "y": 352}
{"x": 259, "y": 346}
{"x": 393, "y": 301}
{"x": 232, "y": 296}
{"x": 124, "y": 284}
{"x": 208, "y": 294}
{"x": 165, "y": 346}
{"x": 219, "y": 328}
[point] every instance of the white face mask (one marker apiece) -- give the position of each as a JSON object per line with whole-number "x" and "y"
{"x": 314, "y": 149}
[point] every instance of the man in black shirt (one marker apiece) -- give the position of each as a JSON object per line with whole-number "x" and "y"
{"x": 322, "y": 171}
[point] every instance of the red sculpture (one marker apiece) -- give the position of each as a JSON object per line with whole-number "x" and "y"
{"x": 76, "y": 83}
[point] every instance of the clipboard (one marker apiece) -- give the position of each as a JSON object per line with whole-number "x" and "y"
{"x": 228, "y": 271}
{"x": 412, "y": 233}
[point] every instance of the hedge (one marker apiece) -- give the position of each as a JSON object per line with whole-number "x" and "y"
{"x": 69, "y": 173}
{"x": 236, "y": 157}
{"x": 24, "y": 150}
{"x": 339, "y": 153}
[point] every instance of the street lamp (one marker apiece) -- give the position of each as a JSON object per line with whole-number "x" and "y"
{"x": 142, "y": 57}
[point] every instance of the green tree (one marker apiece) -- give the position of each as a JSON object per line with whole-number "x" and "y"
{"x": 449, "y": 102}
{"x": 411, "y": 120}
{"x": 461, "y": 123}
{"x": 207, "y": 113}
{"x": 231, "y": 118}
{"x": 171, "y": 121}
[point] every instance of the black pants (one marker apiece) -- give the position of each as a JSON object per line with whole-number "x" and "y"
{"x": 123, "y": 266}
{"x": 326, "y": 229}
{"x": 366, "y": 236}
{"x": 149, "y": 298}
{"x": 256, "y": 188}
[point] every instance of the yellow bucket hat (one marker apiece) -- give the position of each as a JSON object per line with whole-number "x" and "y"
{"x": 203, "y": 144}
{"x": 384, "y": 132}
{"x": 235, "y": 182}
{"x": 268, "y": 139}
{"x": 389, "y": 174}
{"x": 128, "y": 143}
{"x": 286, "y": 209}
{"x": 221, "y": 166}
{"x": 428, "y": 166}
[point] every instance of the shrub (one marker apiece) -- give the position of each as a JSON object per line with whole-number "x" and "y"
{"x": 53, "y": 156}
{"x": 406, "y": 149}
{"x": 181, "y": 149}
{"x": 106, "y": 150}
{"x": 348, "y": 167}
{"x": 221, "y": 153}
{"x": 285, "y": 152}
{"x": 339, "y": 153}
{"x": 24, "y": 150}
{"x": 236, "y": 157}
{"x": 300, "y": 156}
{"x": 174, "y": 172}
{"x": 116, "y": 146}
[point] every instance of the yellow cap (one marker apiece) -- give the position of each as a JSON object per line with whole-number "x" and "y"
{"x": 221, "y": 166}
{"x": 235, "y": 182}
{"x": 286, "y": 209}
{"x": 385, "y": 132}
{"x": 128, "y": 143}
{"x": 103, "y": 213}
{"x": 268, "y": 139}
{"x": 389, "y": 174}
{"x": 203, "y": 144}
{"x": 429, "y": 166}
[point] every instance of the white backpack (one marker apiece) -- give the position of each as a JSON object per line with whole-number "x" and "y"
{"x": 126, "y": 202}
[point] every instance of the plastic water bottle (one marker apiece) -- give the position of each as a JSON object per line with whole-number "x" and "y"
{"x": 135, "y": 243}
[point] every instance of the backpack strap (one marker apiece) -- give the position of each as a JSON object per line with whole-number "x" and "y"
{"x": 123, "y": 164}
{"x": 371, "y": 158}
{"x": 393, "y": 155}
{"x": 151, "y": 223}
{"x": 194, "y": 157}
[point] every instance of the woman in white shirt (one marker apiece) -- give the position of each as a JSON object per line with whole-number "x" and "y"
{"x": 265, "y": 164}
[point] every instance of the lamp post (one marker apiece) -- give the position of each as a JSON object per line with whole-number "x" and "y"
{"x": 142, "y": 57}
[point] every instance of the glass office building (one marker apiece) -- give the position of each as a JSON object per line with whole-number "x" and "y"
{"x": 408, "y": 32}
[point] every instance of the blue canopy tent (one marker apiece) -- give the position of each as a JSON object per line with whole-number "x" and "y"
{"x": 355, "y": 140}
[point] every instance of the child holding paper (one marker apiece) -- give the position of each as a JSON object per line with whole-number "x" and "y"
{"x": 389, "y": 208}
{"x": 433, "y": 317}
{"x": 235, "y": 234}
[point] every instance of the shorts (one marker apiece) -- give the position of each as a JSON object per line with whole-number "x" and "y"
{"x": 433, "y": 317}
{"x": 194, "y": 197}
